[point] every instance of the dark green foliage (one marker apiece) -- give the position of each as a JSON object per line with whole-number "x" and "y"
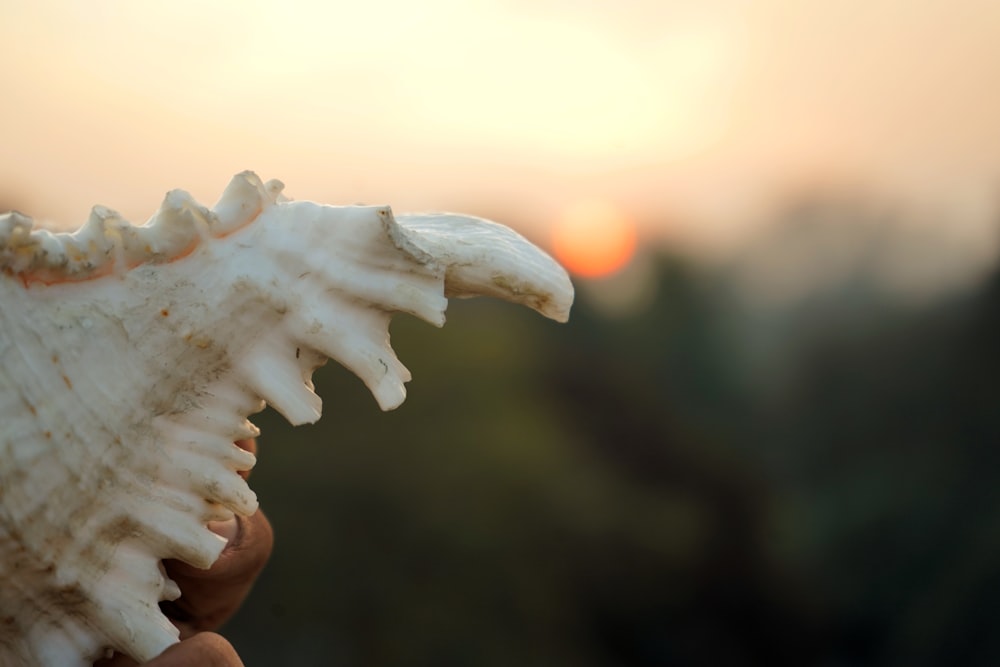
{"x": 626, "y": 492}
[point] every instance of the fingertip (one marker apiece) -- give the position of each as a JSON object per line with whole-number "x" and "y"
{"x": 205, "y": 649}
{"x": 229, "y": 530}
{"x": 249, "y": 444}
{"x": 254, "y": 541}
{"x": 211, "y": 596}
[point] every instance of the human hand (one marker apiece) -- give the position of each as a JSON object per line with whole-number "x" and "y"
{"x": 205, "y": 649}
{"x": 209, "y": 597}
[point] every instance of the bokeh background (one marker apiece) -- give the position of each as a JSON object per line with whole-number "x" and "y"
{"x": 768, "y": 435}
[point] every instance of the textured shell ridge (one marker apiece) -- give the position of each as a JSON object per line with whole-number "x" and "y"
{"x": 132, "y": 356}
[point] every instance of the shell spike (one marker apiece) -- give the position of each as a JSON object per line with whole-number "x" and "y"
{"x": 14, "y": 224}
{"x": 172, "y": 531}
{"x": 243, "y": 200}
{"x": 275, "y": 188}
{"x": 169, "y": 590}
{"x": 182, "y": 217}
{"x": 123, "y": 617}
{"x": 95, "y": 230}
{"x": 103, "y": 236}
{"x": 368, "y": 355}
{"x": 492, "y": 260}
{"x": 274, "y": 375}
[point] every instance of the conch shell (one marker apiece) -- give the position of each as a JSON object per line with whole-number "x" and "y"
{"x": 131, "y": 356}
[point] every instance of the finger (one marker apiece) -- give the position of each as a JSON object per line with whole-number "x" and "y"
{"x": 211, "y": 596}
{"x": 116, "y": 660}
{"x": 206, "y": 649}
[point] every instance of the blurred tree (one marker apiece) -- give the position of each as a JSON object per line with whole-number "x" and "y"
{"x": 622, "y": 492}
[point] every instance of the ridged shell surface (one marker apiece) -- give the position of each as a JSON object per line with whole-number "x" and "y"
{"x": 131, "y": 357}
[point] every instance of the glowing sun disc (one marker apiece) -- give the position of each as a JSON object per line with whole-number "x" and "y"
{"x": 593, "y": 239}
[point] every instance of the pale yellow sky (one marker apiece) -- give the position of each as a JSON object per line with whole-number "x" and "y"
{"x": 694, "y": 112}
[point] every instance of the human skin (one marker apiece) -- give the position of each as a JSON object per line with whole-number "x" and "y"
{"x": 210, "y": 597}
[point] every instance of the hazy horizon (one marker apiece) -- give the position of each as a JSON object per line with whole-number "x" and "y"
{"x": 693, "y": 121}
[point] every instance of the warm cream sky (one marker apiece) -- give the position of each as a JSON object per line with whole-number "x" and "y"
{"x": 693, "y": 112}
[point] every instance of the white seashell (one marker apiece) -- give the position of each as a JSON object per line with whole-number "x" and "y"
{"x": 131, "y": 357}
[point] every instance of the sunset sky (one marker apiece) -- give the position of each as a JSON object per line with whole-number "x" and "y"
{"x": 688, "y": 118}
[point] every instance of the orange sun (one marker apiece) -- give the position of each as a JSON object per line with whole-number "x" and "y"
{"x": 594, "y": 239}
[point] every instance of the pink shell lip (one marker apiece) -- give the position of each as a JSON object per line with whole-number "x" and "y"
{"x": 108, "y": 244}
